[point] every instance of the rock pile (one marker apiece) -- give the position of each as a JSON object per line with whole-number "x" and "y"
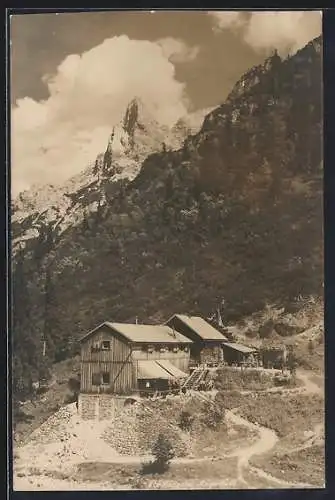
{"x": 54, "y": 428}
{"x": 151, "y": 423}
{"x": 135, "y": 429}
{"x": 122, "y": 434}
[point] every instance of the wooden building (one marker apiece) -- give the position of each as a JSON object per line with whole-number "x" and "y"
{"x": 119, "y": 358}
{"x": 274, "y": 356}
{"x": 237, "y": 353}
{"x": 207, "y": 342}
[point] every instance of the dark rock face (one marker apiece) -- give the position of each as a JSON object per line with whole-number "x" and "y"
{"x": 235, "y": 213}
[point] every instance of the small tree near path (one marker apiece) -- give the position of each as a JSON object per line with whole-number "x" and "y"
{"x": 163, "y": 452}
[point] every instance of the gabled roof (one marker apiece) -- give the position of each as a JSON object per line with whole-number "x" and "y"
{"x": 240, "y": 347}
{"x": 149, "y": 334}
{"x": 200, "y": 327}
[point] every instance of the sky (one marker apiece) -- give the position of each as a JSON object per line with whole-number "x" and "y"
{"x": 73, "y": 74}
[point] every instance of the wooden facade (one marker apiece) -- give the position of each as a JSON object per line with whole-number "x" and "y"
{"x": 109, "y": 361}
{"x": 202, "y": 350}
{"x": 97, "y": 360}
{"x": 274, "y": 357}
{"x": 238, "y": 354}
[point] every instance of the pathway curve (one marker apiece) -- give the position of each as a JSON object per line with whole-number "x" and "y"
{"x": 84, "y": 443}
{"x": 309, "y": 386}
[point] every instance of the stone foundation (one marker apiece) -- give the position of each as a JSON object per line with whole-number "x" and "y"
{"x": 99, "y": 406}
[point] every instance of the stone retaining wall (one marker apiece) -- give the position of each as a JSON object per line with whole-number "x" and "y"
{"x": 99, "y": 406}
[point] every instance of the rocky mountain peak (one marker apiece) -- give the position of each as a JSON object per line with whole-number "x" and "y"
{"x": 131, "y": 116}
{"x": 137, "y": 135}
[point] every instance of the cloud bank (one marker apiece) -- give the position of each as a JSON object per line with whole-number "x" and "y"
{"x": 58, "y": 137}
{"x": 286, "y": 31}
{"x": 177, "y": 51}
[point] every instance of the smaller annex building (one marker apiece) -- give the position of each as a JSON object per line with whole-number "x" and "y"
{"x": 207, "y": 341}
{"x": 237, "y": 353}
{"x": 121, "y": 358}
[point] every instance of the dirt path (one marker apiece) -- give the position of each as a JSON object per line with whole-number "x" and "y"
{"x": 267, "y": 440}
{"x": 309, "y": 386}
{"x": 63, "y": 447}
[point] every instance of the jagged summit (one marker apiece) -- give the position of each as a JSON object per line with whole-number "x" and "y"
{"x": 136, "y": 136}
{"x": 265, "y": 92}
{"x": 134, "y": 111}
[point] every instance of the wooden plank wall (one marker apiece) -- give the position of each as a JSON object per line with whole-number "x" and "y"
{"x": 116, "y": 361}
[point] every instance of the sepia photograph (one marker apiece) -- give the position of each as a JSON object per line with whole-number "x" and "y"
{"x": 166, "y": 250}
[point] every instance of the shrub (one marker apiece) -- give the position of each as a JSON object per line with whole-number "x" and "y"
{"x": 229, "y": 379}
{"x": 186, "y": 421}
{"x": 214, "y": 414}
{"x": 163, "y": 452}
{"x": 229, "y": 399}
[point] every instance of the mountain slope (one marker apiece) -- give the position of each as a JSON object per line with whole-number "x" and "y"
{"x": 133, "y": 139}
{"x": 235, "y": 212}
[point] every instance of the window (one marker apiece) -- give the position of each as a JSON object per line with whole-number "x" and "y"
{"x": 96, "y": 379}
{"x": 105, "y": 378}
{"x": 106, "y": 345}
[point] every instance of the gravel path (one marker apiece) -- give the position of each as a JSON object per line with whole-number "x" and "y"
{"x": 48, "y": 462}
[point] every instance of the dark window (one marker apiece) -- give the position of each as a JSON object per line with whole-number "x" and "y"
{"x": 105, "y": 378}
{"x": 106, "y": 345}
{"x": 96, "y": 379}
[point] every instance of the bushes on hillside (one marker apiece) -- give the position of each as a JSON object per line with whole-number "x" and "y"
{"x": 296, "y": 411}
{"x": 230, "y": 379}
{"x": 186, "y": 421}
{"x": 229, "y": 399}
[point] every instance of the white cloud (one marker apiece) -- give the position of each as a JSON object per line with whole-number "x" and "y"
{"x": 177, "y": 51}
{"x": 227, "y": 19}
{"x": 56, "y": 138}
{"x": 286, "y": 31}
